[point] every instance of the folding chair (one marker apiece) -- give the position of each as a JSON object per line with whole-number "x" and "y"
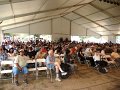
{"x": 6, "y": 71}
{"x": 34, "y": 68}
{"x": 40, "y": 67}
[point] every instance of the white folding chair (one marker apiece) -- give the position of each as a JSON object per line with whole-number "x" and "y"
{"x": 6, "y": 71}
{"x": 41, "y": 67}
{"x": 32, "y": 69}
{"x": 11, "y": 57}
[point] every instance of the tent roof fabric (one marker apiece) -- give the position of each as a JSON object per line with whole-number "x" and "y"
{"x": 101, "y": 17}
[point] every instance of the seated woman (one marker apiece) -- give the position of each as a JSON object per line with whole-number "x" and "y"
{"x": 50, "y": 62}
{"x": 97, "y": 57}
{"x": 67, "y": 57}
{"x": 98, "y": 60}
{"x": 11, "y": 52}
{"x": 81, "y": 55}
{"x": 107, "y": 57}
{"x": 115, "y": 56}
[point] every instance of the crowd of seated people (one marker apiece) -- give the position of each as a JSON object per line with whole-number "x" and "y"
{"x": 74, "y": 52}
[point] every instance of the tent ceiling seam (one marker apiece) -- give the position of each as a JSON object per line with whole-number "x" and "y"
{"x": 87, "y": 28}
{"x": 43, "y": 11}
{"x": 92, "y": 21}
{"x": 40, "y": 8}
{"x": 105, "y": 12}
{"x": 30, "y": 20}
{"x": 8, "y": 2}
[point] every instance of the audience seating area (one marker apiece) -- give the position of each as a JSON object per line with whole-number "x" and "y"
{"x": 34, "y": 69}
{"x": 66, "y": 50}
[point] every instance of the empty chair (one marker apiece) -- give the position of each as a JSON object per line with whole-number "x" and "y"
{"x": 40, "y": 65}
{"x": 7, "y": 70}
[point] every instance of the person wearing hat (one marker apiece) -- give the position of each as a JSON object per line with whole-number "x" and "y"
{"x": 20, "y": 66}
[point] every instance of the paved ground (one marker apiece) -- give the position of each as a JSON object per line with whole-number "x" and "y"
{"x": 85, "y": 79}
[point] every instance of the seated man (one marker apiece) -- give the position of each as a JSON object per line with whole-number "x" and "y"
{"x": 20, "y": 66}
{"x": 89, "y": 55}
{"x": 31, "y": 52}
{"x": 97, "y": 57}
{"x": 50, "y": 61}
{"x": 68, "y": 60}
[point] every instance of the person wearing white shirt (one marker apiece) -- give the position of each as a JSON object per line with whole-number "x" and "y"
{"x": 20, "y": 66}
{"x": 88, "y": 52}
{"x": 98, "y": 62}
{"x": 89, "y": 55}
{"x": 97, "y": 57}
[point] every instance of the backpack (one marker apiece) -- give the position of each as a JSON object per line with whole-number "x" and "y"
{"x": 32, "y": 65}
{"x": 102, "y": 70}
{"x": 66, "y": 68}
{"x": 102, "y": 66}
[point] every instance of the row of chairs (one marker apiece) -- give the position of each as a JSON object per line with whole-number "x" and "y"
{"x": 110, "y": 64}
{"x": 35, "y": 69}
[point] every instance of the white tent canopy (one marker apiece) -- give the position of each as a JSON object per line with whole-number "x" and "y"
{"x": 60, "y": 17}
